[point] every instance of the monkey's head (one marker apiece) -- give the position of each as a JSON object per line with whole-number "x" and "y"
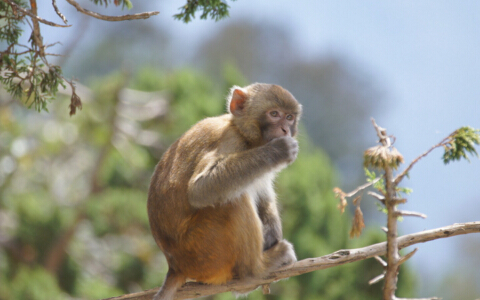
{"x": 263, "y": 112}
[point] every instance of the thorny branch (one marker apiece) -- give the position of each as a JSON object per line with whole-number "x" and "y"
{"x": 393, "y": 256}
{"x": 340, "y": 257}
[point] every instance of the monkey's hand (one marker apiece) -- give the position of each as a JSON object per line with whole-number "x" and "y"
{"x": 285, "y": 148}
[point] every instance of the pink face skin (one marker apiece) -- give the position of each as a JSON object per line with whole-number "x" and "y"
{"x": 280, "y": 123}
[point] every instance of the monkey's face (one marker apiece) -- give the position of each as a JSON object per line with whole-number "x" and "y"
{"x": 278, "y": 123}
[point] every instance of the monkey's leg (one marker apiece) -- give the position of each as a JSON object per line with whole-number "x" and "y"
{"x": 170, "y": 286}
{"x": 281, "y": 254}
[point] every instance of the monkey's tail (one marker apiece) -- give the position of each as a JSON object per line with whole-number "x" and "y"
{"x": 172, "y": 282}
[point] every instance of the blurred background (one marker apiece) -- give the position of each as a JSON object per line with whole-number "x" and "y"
{"x": 73, "y": 222}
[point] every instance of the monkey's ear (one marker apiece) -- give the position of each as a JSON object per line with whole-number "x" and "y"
{"x": 237, "y": 101}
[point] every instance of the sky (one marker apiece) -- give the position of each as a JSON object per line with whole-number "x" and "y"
{"x": 425, "y": 55}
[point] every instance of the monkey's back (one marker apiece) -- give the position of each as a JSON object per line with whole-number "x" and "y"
{"x": 168, "y": 206}
{"x": 211, "y": 233}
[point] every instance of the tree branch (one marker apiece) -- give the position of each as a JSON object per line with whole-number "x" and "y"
{"x": 59, "y": 13}
{"x": 393, "y": 255}
{"x": 36, "y": 36}
{"x": 34, "y": 16}
{"x": 144, "y": 15}
{"x": 410, "y": 166}
{"x": 340, "y": 257}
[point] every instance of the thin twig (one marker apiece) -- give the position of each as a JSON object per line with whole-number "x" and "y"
{"x": 195, "y": 289}
{"x": 407, "y": 257}
{"x": 144, "y": 15}
{"x": 381, "y": 261}
{"x": 362, "y": 187}
{"x": 410, "y": 166}
{"x": 376, "y": 279}
{"x": 33, "y": 16}
{"x": 382, "y": 134}
{"x": 59, "y": 13}
{"x": 407, "y": 213}
{"x": 379, "y": 197}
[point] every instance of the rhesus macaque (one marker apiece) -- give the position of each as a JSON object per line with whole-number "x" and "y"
{"x": 211, "y": 204}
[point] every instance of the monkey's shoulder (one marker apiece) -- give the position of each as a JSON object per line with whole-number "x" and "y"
{"x": 214, "y": 133}
{"x": 211, "y": 126}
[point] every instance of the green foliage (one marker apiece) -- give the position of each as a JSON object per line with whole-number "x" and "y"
{"x": 124, "y": 3}
{"x": 10, "y": 29}
{"x": 88, "y": 178}
{"x": 193, "y": 97}
{"x": 461, "y": 142}
{"x": 404, "y": 190}
{"x": 105, "y": 208}
{"x": 371, "y": 176}
{"x": 96, "y": 288}
{"x": 215, "y": 9}
{"x": 31, "y": 283}
{"x": 36, "y": 88}
{"x": 26, "y": 73}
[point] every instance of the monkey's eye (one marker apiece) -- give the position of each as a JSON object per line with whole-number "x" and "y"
{"x": 289, "y": 117}
{"x": 274, "y": 113}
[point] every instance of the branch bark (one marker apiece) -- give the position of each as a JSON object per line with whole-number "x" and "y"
{"x": 340, "y": 257}
{"x": 393, "y": 255}
{"x": 144, "y": 15}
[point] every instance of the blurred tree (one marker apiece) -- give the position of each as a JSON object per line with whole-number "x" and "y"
{"x": 258, "y": 50}
{"x": 139, "y": 42}
{"x": 73, "y": 221}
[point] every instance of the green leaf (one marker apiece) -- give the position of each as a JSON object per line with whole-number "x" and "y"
{"x": 215, "y": 9}
{"x": 404, "y": 190}
{"x": 461, "y": 142}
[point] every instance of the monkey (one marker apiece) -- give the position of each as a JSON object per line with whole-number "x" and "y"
{"x": 211, "y": 203}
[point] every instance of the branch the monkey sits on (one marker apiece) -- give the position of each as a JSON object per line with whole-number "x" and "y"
{"x": 211, "y": 203}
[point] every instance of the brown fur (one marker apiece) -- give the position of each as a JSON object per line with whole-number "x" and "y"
{"x": 211, "y": 204}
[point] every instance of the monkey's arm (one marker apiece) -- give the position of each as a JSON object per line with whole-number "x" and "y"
{"x": 222, "y": 177}
{"x": 268, "y": 213}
